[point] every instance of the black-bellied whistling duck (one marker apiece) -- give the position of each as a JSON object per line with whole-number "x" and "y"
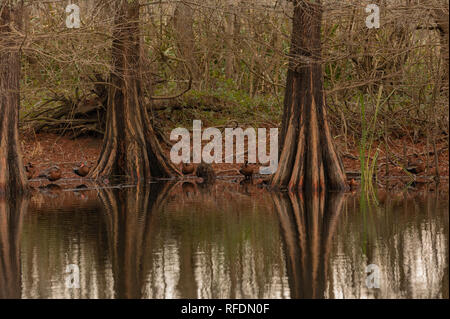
{"x": 83, "y": 170}
{"x": 52, "y": 174}
{"x": 353, "y": 184}
{"x": 30, "y": 170}
{"x": 415, "y": 167}
{"x": 247, "y": 170}
{"x": 188, "y": 168}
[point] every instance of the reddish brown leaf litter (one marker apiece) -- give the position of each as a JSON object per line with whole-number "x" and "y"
{"x": 45, "y": 150}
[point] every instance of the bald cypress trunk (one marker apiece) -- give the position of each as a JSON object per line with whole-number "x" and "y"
{"x": 130, "y": 145}
{"x": 308, "y": 159}
{"x": 13, "y": 180}
{"x": 441, "y": 17}
{"x": 183, "y": 19}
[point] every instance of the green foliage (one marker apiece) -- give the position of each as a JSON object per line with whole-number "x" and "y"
{"x": 368, "y": 135}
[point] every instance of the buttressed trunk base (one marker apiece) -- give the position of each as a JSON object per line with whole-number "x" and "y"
{"x": 13, "y": 180}
{"x": 130, "y": 147}
{"x": 308, "y": 160}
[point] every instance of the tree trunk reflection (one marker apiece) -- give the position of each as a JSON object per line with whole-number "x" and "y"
{"x": 11, "y": 217}
{"x": 307, "y": 226}
{"x": 128, "y": 218}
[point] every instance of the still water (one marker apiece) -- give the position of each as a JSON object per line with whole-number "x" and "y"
{"x": 228, "y": 241}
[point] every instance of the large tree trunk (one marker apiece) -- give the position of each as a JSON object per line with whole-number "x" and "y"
{"x": 130, "y": 146}
{"x": 183, "y": 19}
{"x": 13, "y": 180}
{"x": 308, "y": 159}
{"x": 441, "y": 17}
{"x": 232, "y": 29}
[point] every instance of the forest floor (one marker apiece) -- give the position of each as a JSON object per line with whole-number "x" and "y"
{"x": 46, "y": 149}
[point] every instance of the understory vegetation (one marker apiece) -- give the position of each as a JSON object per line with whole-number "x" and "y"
{"x": 226, "y": 62}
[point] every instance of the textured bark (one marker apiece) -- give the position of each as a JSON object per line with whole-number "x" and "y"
{"x": 13, "y": 180}
{"x": 308, "y": 158}
{"x": 183, "y": 19}
{"x": 130, "y": 147}
{"x": 232, "y": 29}
{"x": 441, "y": 17}
{"x": 307, "y": 226}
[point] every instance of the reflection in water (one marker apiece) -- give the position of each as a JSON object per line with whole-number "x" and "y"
{"x": 227, "y": 241}
{"x": 128, "y": 217}
{"x": 308, "y": 224}
{"x": 406, "y": 236}
{"x": 224, "y": 243}
{"x": 11, "y": 216}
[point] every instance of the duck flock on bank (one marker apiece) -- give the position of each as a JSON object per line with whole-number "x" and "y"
{"x": 204, "y": 171}
{"x": 54, "y": 173}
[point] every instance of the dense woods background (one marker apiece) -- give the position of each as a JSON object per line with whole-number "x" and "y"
{"x": 235, "y": 54}
{"x": 226, "y": 62}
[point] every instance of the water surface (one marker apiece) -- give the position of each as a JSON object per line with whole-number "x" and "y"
{"x": 228, "y": 241}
